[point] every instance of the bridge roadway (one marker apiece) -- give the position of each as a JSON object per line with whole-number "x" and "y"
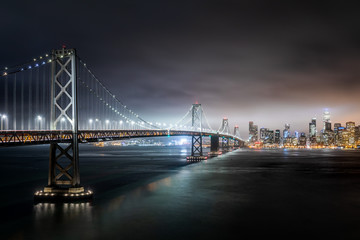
{"x": 31, "y": 137}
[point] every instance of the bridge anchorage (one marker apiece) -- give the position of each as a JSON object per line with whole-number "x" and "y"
{"x": 64, "y": 175}
{"x": 196, "y": 140}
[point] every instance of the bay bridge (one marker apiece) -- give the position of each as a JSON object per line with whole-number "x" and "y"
{"x": 56, "y": 99}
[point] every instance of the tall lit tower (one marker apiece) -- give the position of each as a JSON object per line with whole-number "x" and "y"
{"x": 286, "y": 132}
{"x": 312, "y": 128}
{"x": 326, "y": 120}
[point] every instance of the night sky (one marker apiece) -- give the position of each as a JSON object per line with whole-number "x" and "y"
{"x": 272, "y": 62}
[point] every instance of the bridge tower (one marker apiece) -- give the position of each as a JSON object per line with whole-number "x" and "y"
{"x": 64, "y": 175}
{"x": 225, "y": 129}
{"x": 236, "y": 134}
{"x": 225, "y": 126}
{"x": 196, "y": 139}
{"x": 236, "y": 131}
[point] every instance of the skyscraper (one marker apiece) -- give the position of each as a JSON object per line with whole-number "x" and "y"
{"x": 336, "y": 127}
{"x": 277, "y": 136}
{"x": 296, "y": 134}
{"x": 326, "y": 121}
{"x": 253, "y": 132}
{"x": 312, "y": 128}
{"x": 350, "y": 127}
{"x": 302, "y": 139}
{"x": 286, "y": 132}
{"x": 263, "y": 134}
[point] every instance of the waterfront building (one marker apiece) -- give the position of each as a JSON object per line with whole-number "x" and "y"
{"x": 296, "y": 134}
{"x": 327, "y": 135}
{"x": 263, "y": 134}
{"x": 253, "y": 132}
{"x": 357, "y": 134}
{"x": 312, "y": 128}
{"x": 277, "y": 136}
{"x": 302, "y": 139}
{"x": 350, "y": 127}
{"x": 286, "y": 132}
{"x": 326, "y": 120}
{"x": 336, "y": 127}
{"x": 269, "y": 137}
{"x": 312, "y": 132}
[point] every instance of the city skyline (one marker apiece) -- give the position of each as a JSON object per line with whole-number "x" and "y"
{"x": 301, "y": 127}
{"x": 330, "y": 135}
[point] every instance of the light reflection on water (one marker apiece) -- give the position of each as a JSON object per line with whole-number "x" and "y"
{"x": 65, "y": 211}
{"x": 281, "y": 187}
{"x": 45, "y": 213}
{"x": 139, "y": 192}
{"x": 183, "y": 152}
{"x": 51, "y": 220}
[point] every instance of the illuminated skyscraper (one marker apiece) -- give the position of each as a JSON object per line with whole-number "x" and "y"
{"x": 263, "y": 134}
{"x": 277, "y": 136}
{"x": 350, "y": 127}
{"x": 266, "y": 136}
{"x": 326, "y": 121}
{"x": 336, "y": 127}
{"x": 327, "y": 136}
{"x": 253, "y": 132}
{"x": 302, "y": 139}
{"x": 357, "y": 134}
{"x": 286, "y": 132}
{"x": 270, "y": 137}
{"x": 312, "y": 128}
{"x": 296, "y": 134}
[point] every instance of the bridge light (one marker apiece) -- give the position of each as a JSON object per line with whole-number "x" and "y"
{"x": 63, "y": 119}
{"x": 39, "y": 118}
{"x": 90, "y": 120}
{"x": 3, "y": 116}
{"x": 34, "y": 59}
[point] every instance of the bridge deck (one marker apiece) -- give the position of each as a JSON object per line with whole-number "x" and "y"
{"x": 13, "y": 138}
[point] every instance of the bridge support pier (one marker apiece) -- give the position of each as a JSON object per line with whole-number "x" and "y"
{"x": 64, "y": 175}
{"x": 225, "y": 144}
{"x": 196, "y": 141}
{"x": 214, "y": 147}
{"x": 196, "y": 149}
{"x": 236, "y": 144}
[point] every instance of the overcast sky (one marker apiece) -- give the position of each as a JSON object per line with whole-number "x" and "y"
{"x": 272, "y": 63}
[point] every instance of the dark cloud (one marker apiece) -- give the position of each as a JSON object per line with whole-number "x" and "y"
{"x": 268, "y": 61}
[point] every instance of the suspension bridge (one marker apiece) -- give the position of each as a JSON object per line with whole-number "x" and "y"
{"x": 56, "y": 99}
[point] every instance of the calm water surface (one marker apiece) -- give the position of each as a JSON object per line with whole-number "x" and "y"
{"x": 153, "y": 193}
